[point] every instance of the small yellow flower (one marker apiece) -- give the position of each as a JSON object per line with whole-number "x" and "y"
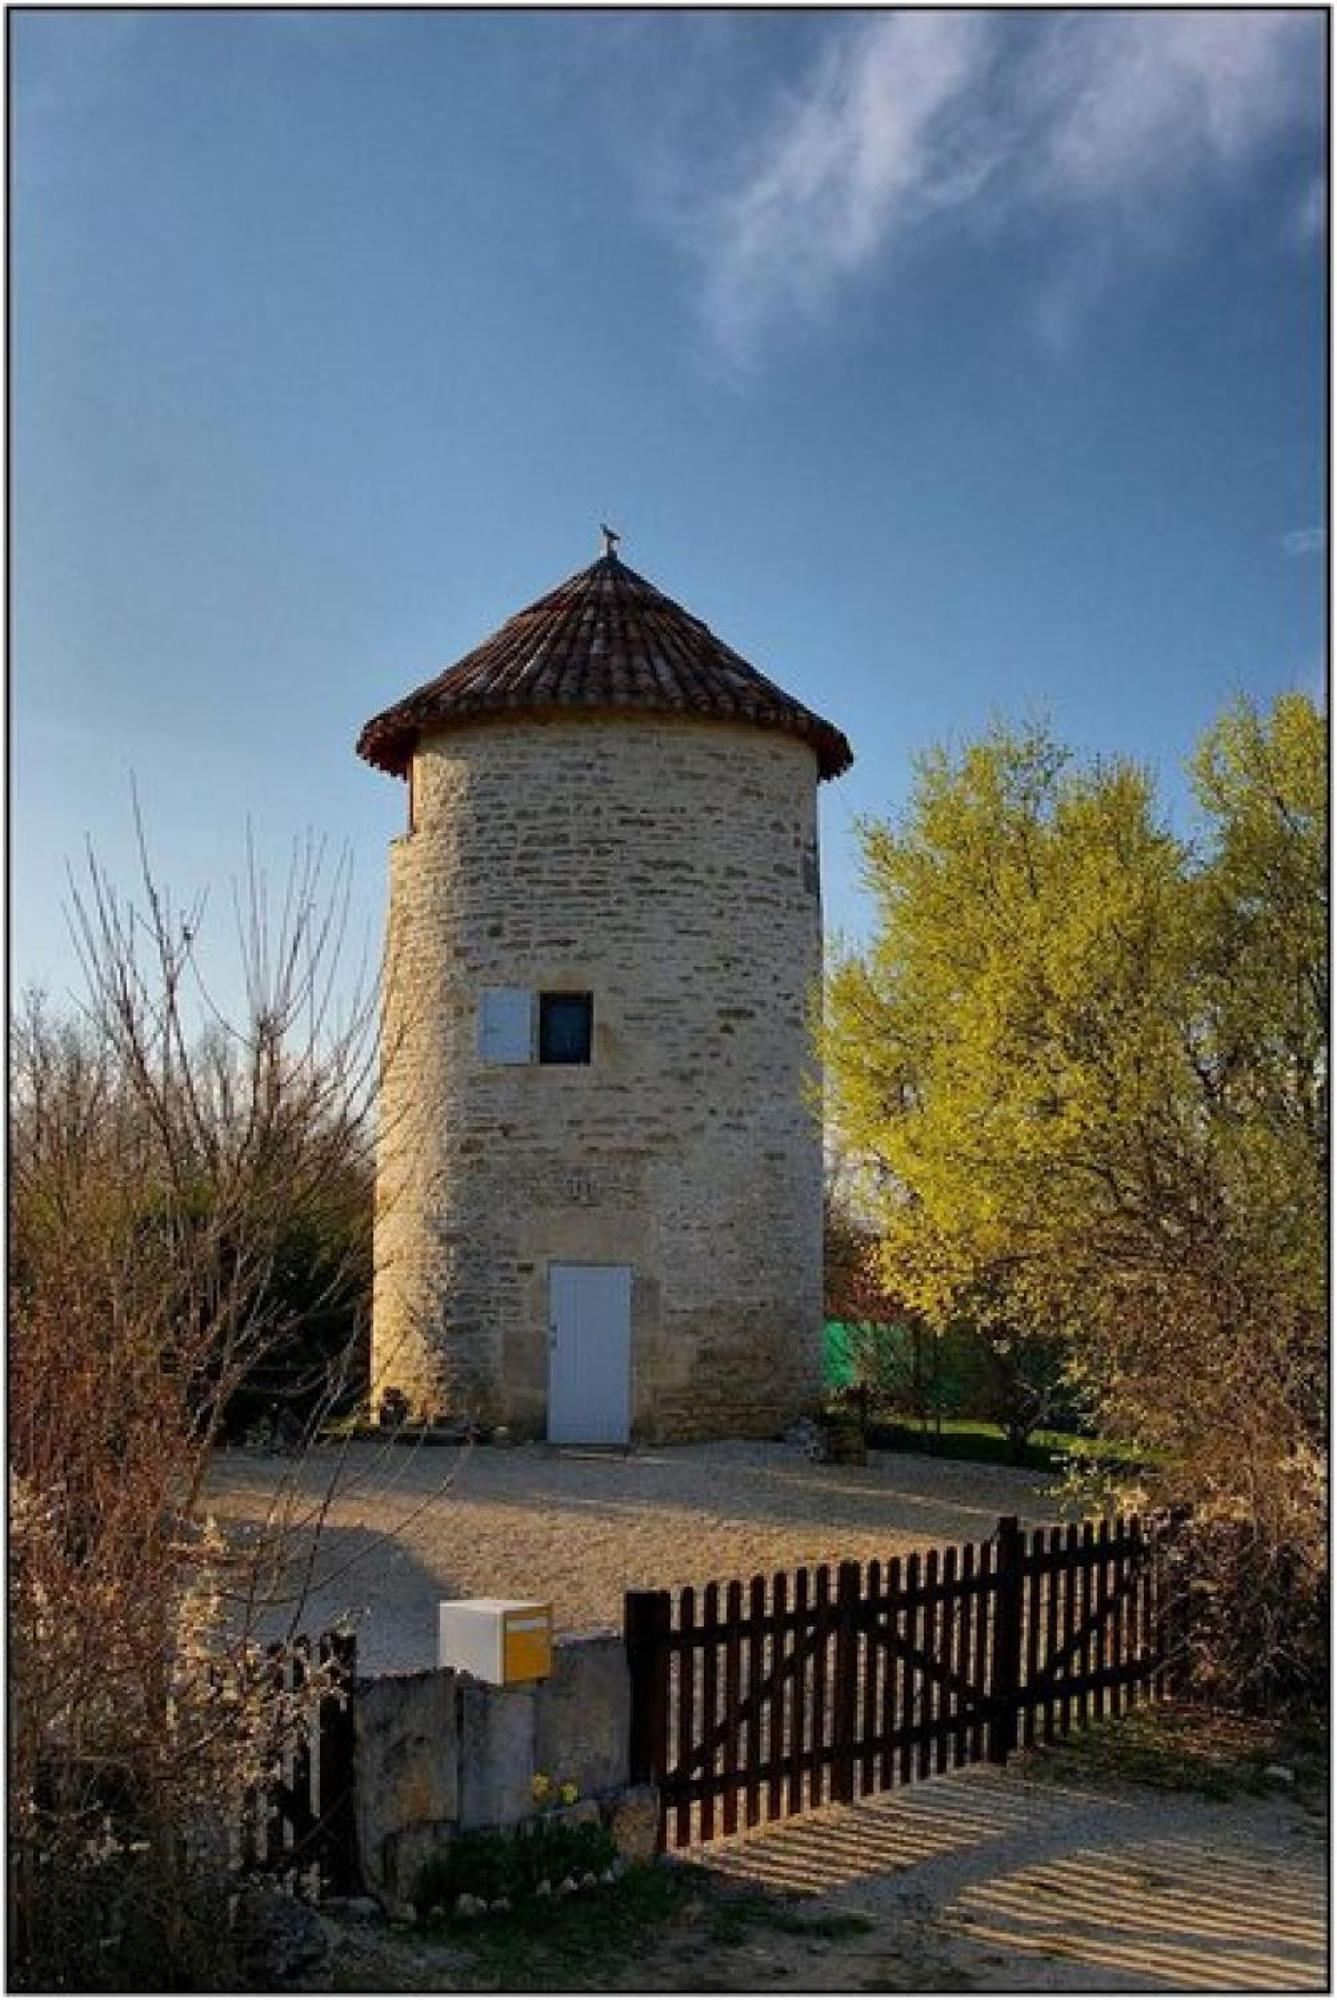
{"x": 570, "y": 1793}
{"x": 542, "y": 1786}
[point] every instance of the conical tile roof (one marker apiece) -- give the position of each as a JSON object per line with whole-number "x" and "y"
{"x": 604, "y": 639}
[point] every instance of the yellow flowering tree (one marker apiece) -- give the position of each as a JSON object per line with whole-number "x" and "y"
{"x": 1085, "y": 1060}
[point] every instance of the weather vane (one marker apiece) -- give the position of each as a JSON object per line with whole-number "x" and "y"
{"x": 611, "y": 538}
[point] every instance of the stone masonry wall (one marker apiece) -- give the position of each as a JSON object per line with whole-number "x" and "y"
{"x": 670, "y": 869}
{"x": 440, "y": 1752}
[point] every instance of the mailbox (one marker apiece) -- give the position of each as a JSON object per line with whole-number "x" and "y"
{"x": 505, "y": 1640}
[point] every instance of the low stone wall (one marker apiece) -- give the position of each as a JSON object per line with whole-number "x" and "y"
{"x": 440, "y": 1752}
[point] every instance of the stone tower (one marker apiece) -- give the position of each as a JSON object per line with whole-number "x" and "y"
{"x": 599, "y": 1179}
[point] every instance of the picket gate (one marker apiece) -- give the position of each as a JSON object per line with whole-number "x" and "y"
{"x": 751, "y": 1703}
{"x": 299, "y": 1828}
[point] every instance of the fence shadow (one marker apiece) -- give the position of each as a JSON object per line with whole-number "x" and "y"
{"x": 1057, "y": 1884}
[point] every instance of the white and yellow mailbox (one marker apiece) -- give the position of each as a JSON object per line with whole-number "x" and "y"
{"x": 505, "y": 1640}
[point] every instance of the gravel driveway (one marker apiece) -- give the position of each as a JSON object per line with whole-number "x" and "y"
{"x": 405, "y": 1526}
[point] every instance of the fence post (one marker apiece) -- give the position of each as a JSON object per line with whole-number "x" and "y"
{"x": 645, "y": 1629}
{"x": 1005, "y": 1675}
{"x": 845, "y": 1689}
{"x": 336, "y": 1805}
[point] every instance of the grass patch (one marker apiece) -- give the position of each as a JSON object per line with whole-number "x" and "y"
{"x": 589, "y": 1939}
{"x": 1178, "y": 1748}
{"x": 561, "y": 1941}
{"x": 734, "y": 1913}
{"x": 547, "y": 1849}
{"x": 833, "y": 1925}
{"x": 971, "y": 1438}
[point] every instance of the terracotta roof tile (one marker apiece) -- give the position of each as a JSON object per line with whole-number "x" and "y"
{"x": 603, "y": 639}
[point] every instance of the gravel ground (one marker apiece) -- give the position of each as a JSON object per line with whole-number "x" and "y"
{"x": 1014, "y": 1882}
{"x": 985, "y": 1880}
{"x": 405, "y": 1526}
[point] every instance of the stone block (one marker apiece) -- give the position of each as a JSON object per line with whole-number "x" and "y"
{"x": 496, "y": 1753}
{"x": 583, "y": 1714}
{"x": 406, "y": 1749}
{"x": 404, "y": 1855}
{"x": 632, "y": 1817}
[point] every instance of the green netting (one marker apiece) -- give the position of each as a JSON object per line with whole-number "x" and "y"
{"x": 837, "y": 1373}
{"x": 952, "y": 1384}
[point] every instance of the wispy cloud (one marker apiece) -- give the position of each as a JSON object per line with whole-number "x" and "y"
{"x": 864, "y": 147}
{"x": 902, "y": 118}
{"x": 1128, "y": 101}
{"x": 1304, "y": 541}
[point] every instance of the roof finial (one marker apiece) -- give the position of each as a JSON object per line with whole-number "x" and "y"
{"x": 611, "y": 539}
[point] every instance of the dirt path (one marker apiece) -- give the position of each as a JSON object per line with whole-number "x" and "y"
{"x": 989, "y": 1880}
{"x": 999, "y": 1880}
{"x": 582, "y": 1528}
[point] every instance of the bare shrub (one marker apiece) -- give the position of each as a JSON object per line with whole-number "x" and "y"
{"x": 162, "y": 1157}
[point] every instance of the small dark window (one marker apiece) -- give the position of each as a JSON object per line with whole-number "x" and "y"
{"x": 566, "y": 1022}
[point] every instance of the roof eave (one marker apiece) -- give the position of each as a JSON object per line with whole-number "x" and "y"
{"x": 389, "y": 741}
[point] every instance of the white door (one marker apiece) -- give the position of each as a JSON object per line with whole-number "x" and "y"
{"x": 589, "y": 1353}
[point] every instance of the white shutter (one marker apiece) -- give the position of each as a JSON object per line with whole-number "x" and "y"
{"x": 506, "y": 1024}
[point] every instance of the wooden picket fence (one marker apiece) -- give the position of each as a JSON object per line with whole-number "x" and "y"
{"x": 754, "y": 1704}
{"x": 300, "y": 1828}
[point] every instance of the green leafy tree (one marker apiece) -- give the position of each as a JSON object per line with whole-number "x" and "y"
{"x": 1005, "y": 1370}
{"x": 1088, "y": 1058}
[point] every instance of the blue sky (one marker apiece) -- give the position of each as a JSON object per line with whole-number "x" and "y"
{"x": 948, "y": 364}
